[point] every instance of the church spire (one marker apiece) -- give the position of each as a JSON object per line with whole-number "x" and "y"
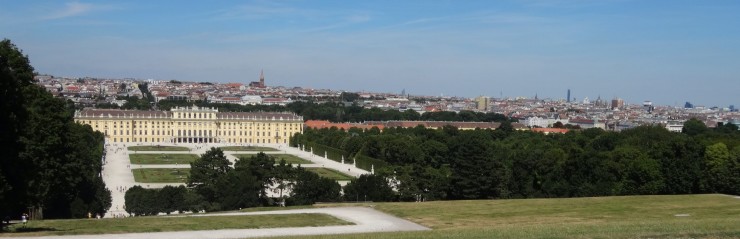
{"x": 262, "y": 78}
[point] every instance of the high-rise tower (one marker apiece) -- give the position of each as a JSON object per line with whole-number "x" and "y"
{"x": 568, "y": 99}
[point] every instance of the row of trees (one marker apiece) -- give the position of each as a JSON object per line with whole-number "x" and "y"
{"x": 338, "y": 112}
{"x": 50, "y": 166}
{"x": 214, "y": 186}
{"x": 432, "y": 164}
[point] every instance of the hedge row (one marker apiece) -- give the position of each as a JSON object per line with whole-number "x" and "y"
{"x": 363, "y": 162}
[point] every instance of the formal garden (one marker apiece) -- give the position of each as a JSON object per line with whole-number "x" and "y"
{"x": 162, "y": 158}
{"x": 161, "y": 175}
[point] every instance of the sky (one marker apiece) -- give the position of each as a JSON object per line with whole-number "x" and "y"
{"x": 668, "y": 52}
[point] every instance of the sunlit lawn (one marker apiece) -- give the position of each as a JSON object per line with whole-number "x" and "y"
{"x": 330, "y": 174}
{"x": 162, "y": 158}
{"x": 161, "y": 175}
{"x": 287, "y": 157}
{"x": 157, "y": 148}
{"x": 247, "y": 148}
{"x": 680, "y": 216}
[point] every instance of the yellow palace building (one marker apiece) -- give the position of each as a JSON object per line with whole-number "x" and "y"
{"x": 191, "y": 125}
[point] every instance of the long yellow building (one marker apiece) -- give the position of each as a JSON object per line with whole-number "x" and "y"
{"x": 191, "y": 125}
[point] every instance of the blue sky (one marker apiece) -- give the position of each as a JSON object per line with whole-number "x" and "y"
{"x": 665, "y": 51}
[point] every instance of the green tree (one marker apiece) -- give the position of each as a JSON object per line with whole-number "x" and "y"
{"x": 310, "y": 188}
{"x": 694, "y": 127}
{"x": 16, "y": 74}
{"x": 206, "y": 171}
{"x": 142, "y": 202}
{"x": 238, "y": 189}
{"x": 717, "y": 163}
{"x": 50, "y": 163}
{"x": 172, "y": 199}
{"x": 369, "y": 187}
{"x": 476, "y": 173}
{"x": 284, "y": 175}
{"x": 260, "y": 166}
{"x": 640, "y": 174}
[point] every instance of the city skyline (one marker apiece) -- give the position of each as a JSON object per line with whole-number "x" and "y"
{"x": 667, "y": 52}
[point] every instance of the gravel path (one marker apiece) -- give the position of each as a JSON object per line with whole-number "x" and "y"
{"x": 366, "y": 220}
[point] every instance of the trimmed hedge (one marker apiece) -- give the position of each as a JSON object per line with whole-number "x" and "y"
{"x": 363, "y": 162}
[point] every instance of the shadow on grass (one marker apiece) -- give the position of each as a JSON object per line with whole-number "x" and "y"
{"x": 23, "y": 229}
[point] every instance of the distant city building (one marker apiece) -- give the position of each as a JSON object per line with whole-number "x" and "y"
{"x": 321, "y": 124}
{"x": 617, "y": 103}
{"x": 244, "y": 100}
{"x": 600, "y": 103}
{"x": 543, "y": 122}
{"x": 674, "y": 126}
{"x": 688, "y": 105}
{"x": 588, "y": 123}
{"x": 191, "y": 125}
{"x": 568, "y": 97}
{"x": 259, "y": 84}
{"x": 482, "y": 103}
{"x": 648, "y": 106}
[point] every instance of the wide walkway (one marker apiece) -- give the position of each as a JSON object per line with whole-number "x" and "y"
{"x": 366, "y": 220}
{"x": 118, "y": 176}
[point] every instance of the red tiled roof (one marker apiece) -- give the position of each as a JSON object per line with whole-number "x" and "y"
{"x": 325, "y": 124}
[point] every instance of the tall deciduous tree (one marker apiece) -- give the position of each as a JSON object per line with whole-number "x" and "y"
{"x": 717, "y": 163}
{"x": 694, "y": 127}
{"x": 476, "y": 173}
{"x": 311, "y": 188}
{"x": 50, "y": 163}
{"x": 16, "y": 74}
{"x": 206, "y": 172}
{"x": 369, "y": 187}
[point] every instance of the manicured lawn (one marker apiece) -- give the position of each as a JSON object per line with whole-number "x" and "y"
{"x": 158, "y": 148}
{"x": 330, "y": 173}
{"x": 288, "y": 158}
{"x": 161, "y": 224}
{"x": 161, "y": 175}
{"x": 675, "y": 216}
{"x": 247, "y": 148}
{"x": 162, "y": 158}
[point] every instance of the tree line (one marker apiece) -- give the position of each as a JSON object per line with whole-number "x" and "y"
{"x": 339, "y": 112}
{"x": 50, "y": 166}
{"x": 447, "y": 163}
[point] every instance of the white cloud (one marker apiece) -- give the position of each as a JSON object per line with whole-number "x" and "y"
{"x": 261, "y": 10}
{"x": 71, "y": 9}
{"x": 359, "y": 18}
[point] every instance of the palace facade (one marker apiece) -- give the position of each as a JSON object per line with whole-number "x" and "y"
{"x": 191, "y": 125}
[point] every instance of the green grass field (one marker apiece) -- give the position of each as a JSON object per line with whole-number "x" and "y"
{"x": 162, "y": 158}
{"x": 330, "y": 173}
{"x": 158, "y": 148}
{"x": 288, "y": 158}
{"x": 161, "y": 175}
{"x": 675, "y": 216}
{"x": 247, "y": 148}
{"x": 161, "y": 224}
{"x": 681, "y": 216}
